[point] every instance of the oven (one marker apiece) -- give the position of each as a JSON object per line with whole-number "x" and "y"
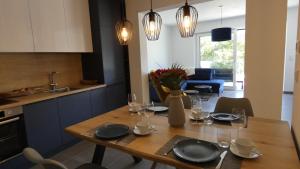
{"x": 12, "y": 133}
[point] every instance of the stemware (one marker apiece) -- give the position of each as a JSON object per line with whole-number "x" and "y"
{"x": 132, "y": 103}
{"x": 241, "y": 119}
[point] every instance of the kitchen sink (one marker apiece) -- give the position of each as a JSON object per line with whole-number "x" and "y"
{"x": 63, "y": 89}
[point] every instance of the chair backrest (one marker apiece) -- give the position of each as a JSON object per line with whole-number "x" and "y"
{"x": 225, "y": 105}
{"x": 36, "y": 158}
{"x": 160, "y": 92}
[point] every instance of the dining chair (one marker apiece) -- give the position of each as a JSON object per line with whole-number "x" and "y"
{"x": 33, "y": 156}
{"x": 226, "y": 104}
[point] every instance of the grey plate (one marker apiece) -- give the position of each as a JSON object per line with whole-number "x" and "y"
{"x": 196, "y": 151}
{"x": 224, "y": 116}
{"x": 112, "y": 131}
{"x": 158, "y": 108}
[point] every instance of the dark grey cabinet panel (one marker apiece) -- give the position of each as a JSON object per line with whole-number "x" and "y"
{"x": 116, "y": 96}
{"x": 73, "y": 109}
{"x": 106, "y": 64}
{"x": 98, "y": 101}
{"x": 43, "y": 126}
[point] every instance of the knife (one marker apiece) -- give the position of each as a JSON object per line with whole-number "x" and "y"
{"x": 221, "y": 161}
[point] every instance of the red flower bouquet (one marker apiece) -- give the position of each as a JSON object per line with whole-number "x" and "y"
{"x": 170, "y": 78}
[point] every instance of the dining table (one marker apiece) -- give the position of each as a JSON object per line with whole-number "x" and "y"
{"x": 272, "y": 138}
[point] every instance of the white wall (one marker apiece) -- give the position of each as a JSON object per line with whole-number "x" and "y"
{"x": 296, "y": 108}
{"x": 159, "y": 51}
{"x": 290, "y": 52}
{"x": 184, "y": 49}
{"x": 264, "y": 59}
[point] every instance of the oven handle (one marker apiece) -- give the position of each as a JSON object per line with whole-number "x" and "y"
{"x": 9, "y": 121}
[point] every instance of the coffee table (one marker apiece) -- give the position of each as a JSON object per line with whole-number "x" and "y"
{"x": 204, "y": 88}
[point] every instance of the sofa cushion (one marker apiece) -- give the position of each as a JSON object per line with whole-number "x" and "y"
{"x": 203, "y": 74}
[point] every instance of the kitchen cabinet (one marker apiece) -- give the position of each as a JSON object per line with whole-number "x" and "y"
{"x": 78, "y": 25}
{"x": 73, "y": 109}
{"x": 15, "y": 27}
{"x": 116, "y": 96}
{"x": 48, "y": 25}
{"x": 43, "y": 126}
{"x": 98, "y": 101}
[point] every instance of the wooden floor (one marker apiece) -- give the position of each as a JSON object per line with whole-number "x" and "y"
{"x": 83, "y": 151}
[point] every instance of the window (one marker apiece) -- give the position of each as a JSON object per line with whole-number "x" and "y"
{"x": 227, "y": 57}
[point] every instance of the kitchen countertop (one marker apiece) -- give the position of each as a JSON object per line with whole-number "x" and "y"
{"x": 46, "y": 96}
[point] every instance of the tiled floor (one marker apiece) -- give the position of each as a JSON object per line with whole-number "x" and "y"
{"x": 113, "y": 159}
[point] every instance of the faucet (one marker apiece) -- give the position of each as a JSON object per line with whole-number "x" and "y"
{"x": 52, "y": 83}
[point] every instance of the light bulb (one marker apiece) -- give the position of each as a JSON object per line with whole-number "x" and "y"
{"x": 152, "y": 26}
{"x": 187, "y": 22}
{"x": 124, "y": 34}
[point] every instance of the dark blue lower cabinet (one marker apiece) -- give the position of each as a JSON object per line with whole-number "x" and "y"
{"x": 98, "y": 101}
{"x": 43, "y": 126}
{"x": 73, "y": 109}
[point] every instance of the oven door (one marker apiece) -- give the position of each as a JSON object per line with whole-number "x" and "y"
{"x": 12, "y": 137}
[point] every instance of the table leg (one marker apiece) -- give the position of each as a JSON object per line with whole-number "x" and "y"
{"x": 137, "y": 159}
{"x": 98, "y": 154}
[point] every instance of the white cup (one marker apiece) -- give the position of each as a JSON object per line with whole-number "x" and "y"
{"x": 244, "y": 146}
{"x": 143, "y": 127}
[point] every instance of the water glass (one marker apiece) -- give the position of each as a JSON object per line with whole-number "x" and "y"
{"x": 148, "y": 113}
{"x": 196, "y": 109}
{"x": 207, "y": 118}
{"x": 224, "y": 137}
{"x": 132, "y": 102}
{"x": 240, "y": 122}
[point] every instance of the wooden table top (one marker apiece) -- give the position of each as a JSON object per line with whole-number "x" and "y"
{"x": 273, "y": 138}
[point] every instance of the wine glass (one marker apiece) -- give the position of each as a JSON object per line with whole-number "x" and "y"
{"x": 239, "y": 122}
{"x": 132, "y": 103}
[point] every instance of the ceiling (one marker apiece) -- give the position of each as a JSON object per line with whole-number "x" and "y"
{"x": 210, "y": 10}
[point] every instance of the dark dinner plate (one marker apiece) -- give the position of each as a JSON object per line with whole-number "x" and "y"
{"x": 224, "y": 116}
{"x": 196, "y": 151}
{"x": 112, "y": 131}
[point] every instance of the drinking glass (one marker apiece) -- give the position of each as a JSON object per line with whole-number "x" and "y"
{"x": 148, "y": 113}
{"x": 132, "y": 103}
{"x": 224, "y": 137}
{"x": 240, "y": 122}
{"x": 207, "y": 118}
{"x": 196, "y": 109}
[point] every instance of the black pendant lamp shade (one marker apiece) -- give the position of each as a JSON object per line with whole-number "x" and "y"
{"x": 221, "y": 34}
{"x": 152, "y": 25}
{"x": 123, "y": 27}
{"x": 187, "y": 17}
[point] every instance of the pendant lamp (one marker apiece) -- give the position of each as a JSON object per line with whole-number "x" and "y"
{"x": 186, "y": 18}
{"x": 152, "y": 24}
{"x": 221, "y": 34}
{"x": 123, "y": 27}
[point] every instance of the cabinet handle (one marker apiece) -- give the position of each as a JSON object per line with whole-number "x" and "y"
{"x": 9, "y": 121}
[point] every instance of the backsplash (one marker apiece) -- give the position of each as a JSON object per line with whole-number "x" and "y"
{"x": 20, "y": 70}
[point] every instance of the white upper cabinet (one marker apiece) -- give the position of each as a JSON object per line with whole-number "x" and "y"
{"x": 15, "y": 27}
{"x": 49, "y": 25}
{"x": 45, "y": 26}
{"x": 78, "y": 25}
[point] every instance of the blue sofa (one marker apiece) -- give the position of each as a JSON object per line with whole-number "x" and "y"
{"x": 205, "y": 76}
